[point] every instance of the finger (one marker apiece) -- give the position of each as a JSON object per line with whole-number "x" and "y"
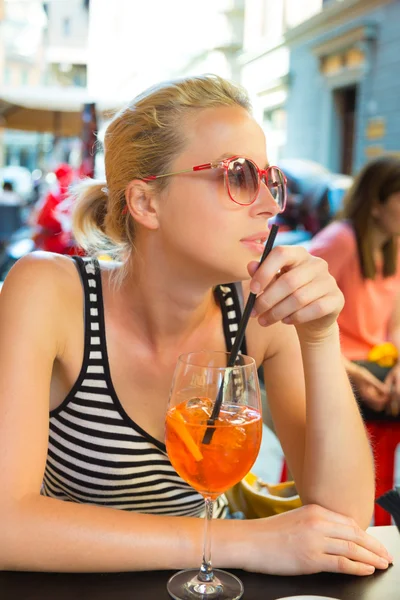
{"x": 279, "y": 258}
{"x": 340, "y": 527}
{"x": 315, "y": 310}
{"x": 288, "y": 306}
{"x": 356, "y": 553}
{"x": 291, "y": 283}
{"x": 341, "y": 564}
{"x": 353, "y": 551}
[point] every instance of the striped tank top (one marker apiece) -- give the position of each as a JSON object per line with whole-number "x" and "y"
{"x": 96, "y": 453}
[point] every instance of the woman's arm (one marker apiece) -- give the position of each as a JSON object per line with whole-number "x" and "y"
{"x": 328, "y": 452}
{"x": 338, "y": 463}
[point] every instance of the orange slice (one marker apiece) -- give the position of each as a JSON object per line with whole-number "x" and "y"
{"x": 179, "y": 425}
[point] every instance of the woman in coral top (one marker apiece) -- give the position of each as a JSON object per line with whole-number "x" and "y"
{"x": 362, "y": 251}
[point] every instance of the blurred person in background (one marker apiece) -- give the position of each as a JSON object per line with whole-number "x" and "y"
{"x": 8, "y": 197}
{"x": 89, "y": 487}
{"x": 362, "y": 251}
{"x": 53, "y": 216}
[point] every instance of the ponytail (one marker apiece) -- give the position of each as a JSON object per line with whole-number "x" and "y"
{"x": 90, "y": 220}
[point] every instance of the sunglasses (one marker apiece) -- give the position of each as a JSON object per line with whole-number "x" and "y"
{"x": 243, "y": 179}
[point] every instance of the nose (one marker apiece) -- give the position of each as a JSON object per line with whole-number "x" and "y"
{"x": 265, "y": 202}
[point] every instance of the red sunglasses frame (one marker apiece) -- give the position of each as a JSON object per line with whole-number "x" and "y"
{"x": 262, "y": 175}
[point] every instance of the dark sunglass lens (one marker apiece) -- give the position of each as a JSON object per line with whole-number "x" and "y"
{"x": 276, "y": 186}
{"x": 242, "y": 180}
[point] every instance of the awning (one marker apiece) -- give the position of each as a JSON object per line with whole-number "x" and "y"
{"x": 47, "y": 109}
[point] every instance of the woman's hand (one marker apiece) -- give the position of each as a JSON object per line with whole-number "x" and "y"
{"x": 392, "y": 382}
{"x": 375, "y": 393}
{"x": 303, "y": 293}
{"x": 312, "y": 539}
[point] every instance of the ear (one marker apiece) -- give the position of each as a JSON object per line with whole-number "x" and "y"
{"x": 142, "y": 203}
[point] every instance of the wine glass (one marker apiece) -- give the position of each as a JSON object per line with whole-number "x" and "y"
{"x": 212, "y": 455}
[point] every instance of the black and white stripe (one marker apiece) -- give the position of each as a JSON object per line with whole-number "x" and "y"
{"x": 96, "y": 453}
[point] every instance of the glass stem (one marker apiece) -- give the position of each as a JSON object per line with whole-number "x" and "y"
{"x": 206, "y": 571}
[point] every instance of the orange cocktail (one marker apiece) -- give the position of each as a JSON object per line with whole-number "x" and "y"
{"x": 212, "y": 468}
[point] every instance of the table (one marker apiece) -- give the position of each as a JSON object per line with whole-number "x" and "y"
{"x": 151, "y": 585}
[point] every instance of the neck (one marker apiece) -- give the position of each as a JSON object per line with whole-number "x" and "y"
{"x": 163, "y": 301}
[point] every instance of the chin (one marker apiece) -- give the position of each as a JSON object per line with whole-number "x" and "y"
{"x": 234, "y": 275}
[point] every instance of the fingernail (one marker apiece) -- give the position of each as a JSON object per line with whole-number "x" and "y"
{"x": 255, "y": 287}
{"x": 253, "y": 313}
{"x": 370, "y": 569}
{"x": 390, "y": 558}
{"x": 383, "y": 563}
{"x": 263, "y": 321}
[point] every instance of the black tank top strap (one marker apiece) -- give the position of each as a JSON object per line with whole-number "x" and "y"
{"x": 95, "y": 345}
{"x": 230, "y": 297}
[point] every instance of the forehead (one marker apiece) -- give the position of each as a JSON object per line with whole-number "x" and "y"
{"x": 225, "y": 130}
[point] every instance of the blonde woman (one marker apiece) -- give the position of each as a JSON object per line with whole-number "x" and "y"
{"x": 185, "y": 208}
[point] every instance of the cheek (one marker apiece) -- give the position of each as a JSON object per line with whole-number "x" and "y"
{"x": 196, "y": 209}
{"x": 393, "y": 218}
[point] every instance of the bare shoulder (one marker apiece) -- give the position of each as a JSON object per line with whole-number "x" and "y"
{"x": 38, "y": 295}
{"x": 42, "y": 271}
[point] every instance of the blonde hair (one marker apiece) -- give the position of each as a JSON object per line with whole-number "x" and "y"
{"x": 143, "y": 139}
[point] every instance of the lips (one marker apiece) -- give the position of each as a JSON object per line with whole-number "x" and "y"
{"x": 255, "y": 242}
{"x": 259, "y": 238}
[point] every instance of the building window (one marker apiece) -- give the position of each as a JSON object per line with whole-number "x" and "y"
{"x": 67, "y": 27}
{"x": 274, "y": 125}
{"x": 24, "y": 157}
{"x": 7, "y": 156}
{"x": 24, "y": 77}
{"x": 7, "y": 76}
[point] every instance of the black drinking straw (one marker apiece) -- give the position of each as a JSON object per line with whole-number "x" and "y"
{"x": 238, "y": 341}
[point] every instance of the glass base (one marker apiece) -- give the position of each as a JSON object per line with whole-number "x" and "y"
{"x": 185, "y": 585}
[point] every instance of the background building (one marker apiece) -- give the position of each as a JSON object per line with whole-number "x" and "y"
{"x": 344, "y": 68}
{"x": 43, "y": 60}
{"x": 324, "y": 78}
{"x": 265, "y": 63}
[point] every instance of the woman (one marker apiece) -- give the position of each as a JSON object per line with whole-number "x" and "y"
{"x": 179, "y": 234}
{"x": 361, "y": 250}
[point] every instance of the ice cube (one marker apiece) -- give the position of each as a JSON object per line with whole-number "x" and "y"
{"x": 198, "y": 403}
{"x": 198, "y": 409}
